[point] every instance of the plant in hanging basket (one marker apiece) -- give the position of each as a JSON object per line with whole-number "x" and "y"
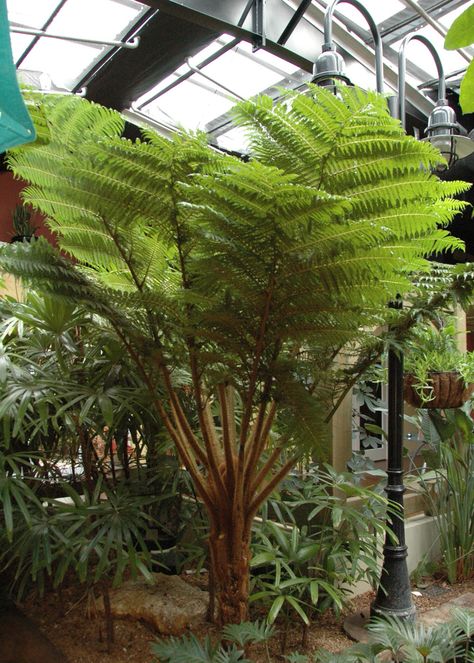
{"x": 440, "y": 390}
{"x": 22, "y": 226}
{"x": 437, "y": 373}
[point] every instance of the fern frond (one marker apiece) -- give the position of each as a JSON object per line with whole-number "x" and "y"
{"x": 300, "y": 247}
{"x": 41, "y": 264}
{"x": 247, "y": 632}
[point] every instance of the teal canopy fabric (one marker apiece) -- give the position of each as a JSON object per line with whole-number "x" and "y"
{"x": 16, "y": 126}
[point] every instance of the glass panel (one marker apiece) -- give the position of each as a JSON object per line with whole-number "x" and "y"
{"x": 234, "y": 140}
{"x": 93, "y": 19}
{"x": 190, "y": 104}
{"x": 196, "y": 61}
{"x": 64, "y": 61}
{"x": 380, "y": 10}
{"x": 142, "y": 101}
{"x": 361, "y": 76}
{"x": 448, "y": 19}
{"x": 19, "y": 44}
{"x": 32, "y": 14}
{"x": 246, "y": 75}
{"x": 267, "y": 58}
{"x": 196, "y": 101}
{"x": 211, "y": 48}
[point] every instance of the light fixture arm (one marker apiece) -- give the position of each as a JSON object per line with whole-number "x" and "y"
{"x": 402, "y": 73}
{"x": 329, "y": 44}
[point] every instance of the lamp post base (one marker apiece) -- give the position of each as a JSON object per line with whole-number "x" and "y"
{"x": 394, "y": 594}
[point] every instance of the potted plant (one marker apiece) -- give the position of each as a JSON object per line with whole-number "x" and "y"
{"x": 437, "y": 373}
{"x": 22, "y": 226}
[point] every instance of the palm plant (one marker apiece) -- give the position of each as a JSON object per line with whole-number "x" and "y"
{"x": 417, "y": 642}
{"x": 250, "y": 276}
{"x": 407, "y": 641}
{"x": 63, "y": 379}
{"x": 237, "y": 638}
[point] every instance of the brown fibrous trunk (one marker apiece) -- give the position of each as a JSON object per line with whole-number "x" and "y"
{"x": 230, "y": 562}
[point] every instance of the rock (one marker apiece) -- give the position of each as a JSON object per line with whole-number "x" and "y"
{"x": 443, "y": 613}
{"x": 170, "y": 605}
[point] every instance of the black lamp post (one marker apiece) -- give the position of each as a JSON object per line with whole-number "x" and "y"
{"x": 394, "y": 594}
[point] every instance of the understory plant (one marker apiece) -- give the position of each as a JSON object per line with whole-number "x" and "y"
{"x": 413, "y": 642}
{"x": 237, "y": 639}
{"x": 320, "y": 535}
{"x": 403, "y": 640}
{"x": 448, "y": 487}
{"x": 236, "y": 284}
{"x": 22, "y": 226}
{"x": 96, "y": 538}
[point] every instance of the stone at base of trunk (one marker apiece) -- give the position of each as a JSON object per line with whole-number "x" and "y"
{"x": 170, "y": 605}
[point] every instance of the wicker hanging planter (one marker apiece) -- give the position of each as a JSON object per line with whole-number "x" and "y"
{"x": 446, "y": 390}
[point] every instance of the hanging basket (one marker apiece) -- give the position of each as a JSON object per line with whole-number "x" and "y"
{"x": 446, "y": 390}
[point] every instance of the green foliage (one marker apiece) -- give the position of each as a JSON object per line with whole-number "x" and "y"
{"x": 449, "y": 490}
{"x": 21, "y": 218}
{"x": 296, "y": 658}
{"x": 366, "y": 404}
{"x": 95, "y": 536}
{"x": 63, "y": 378}
{"x": 430, "y": 350}
{"x": 313, "y": 564}
{"x": 248, "y": 276}
{"x": 247, "y": 632}
{"x": 466, "y": 95}
{"x": 416, "y": 642}
{"x": 188, "y": 649}
{"x": 407, "y": 641}
{"x": 17, "y": 494}
{"x": 460, "y": 34}
{"x": 324, "y": 230}
{"x": 347, "y": 656}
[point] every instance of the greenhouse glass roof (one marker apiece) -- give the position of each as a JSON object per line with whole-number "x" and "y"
{"x": 194, "y": 58}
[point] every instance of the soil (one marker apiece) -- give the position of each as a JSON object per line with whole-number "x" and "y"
{"x": 80, "y": 633}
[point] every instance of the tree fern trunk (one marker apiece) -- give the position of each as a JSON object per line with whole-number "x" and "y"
{"x": 229, "y": 561}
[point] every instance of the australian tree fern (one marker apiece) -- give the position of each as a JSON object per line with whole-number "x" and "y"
{"x": 253, "y": 276}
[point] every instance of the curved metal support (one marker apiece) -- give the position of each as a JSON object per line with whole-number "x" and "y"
{"x": 402, "y": 72}
{"x": 130, "y": 44}
{"x": 329, "y": 44}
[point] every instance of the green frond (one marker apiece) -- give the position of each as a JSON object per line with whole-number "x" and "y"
{"x": 299, "y": 248}
{"x": 40, "y": 263}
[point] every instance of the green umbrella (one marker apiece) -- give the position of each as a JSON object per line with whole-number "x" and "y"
{"x": 16, "y": 126}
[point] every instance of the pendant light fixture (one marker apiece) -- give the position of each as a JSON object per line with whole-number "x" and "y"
{"x": 443, "y": 130}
